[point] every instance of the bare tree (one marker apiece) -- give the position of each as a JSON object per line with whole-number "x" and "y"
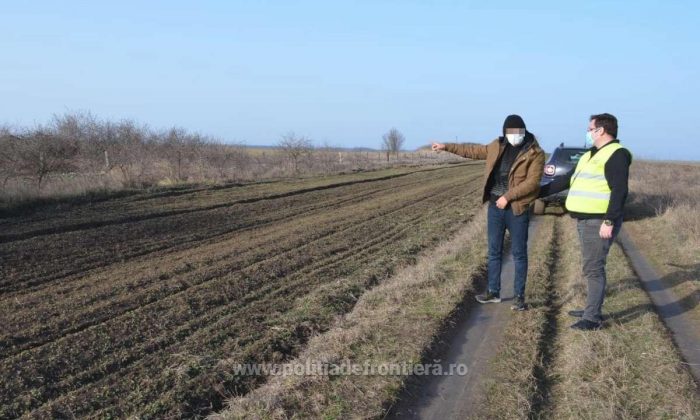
{"x": 44, "y": 152}
{"x": 180, "y": 149}
{"x": 295, "y": 148}
{"x": 8, "y": 155}
{"x": 228, "y": 160}
{"x": 392, "y": 142}
{"x": 85, "y": 130}
{"x": 126, "y": 147}
{"x": 80, "y": 145}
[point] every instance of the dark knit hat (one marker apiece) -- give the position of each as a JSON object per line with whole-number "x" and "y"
{"x": 513, "y": 121}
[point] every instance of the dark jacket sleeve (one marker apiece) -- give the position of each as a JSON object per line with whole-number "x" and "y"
{"x": 617, "y": 175}
{"x": 559, "y": 184}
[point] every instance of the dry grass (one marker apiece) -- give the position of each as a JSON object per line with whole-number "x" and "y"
{"x": 671, "y": 192}
{"x": 392, "y": 323}
{"x": 665, "y": 224}
{"x": 630, "y": 369}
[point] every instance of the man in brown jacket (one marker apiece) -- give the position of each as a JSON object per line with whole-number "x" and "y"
{"x": 514, "y": 165}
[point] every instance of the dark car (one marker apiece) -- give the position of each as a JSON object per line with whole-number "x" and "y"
{"x": 561, "y": 164}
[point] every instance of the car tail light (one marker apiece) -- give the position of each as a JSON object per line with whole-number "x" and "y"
{"x": 549, "y": 169}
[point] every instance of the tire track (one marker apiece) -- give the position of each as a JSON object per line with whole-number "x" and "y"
{"x": 471, "y": 340}
{"x": 666, "y": 304}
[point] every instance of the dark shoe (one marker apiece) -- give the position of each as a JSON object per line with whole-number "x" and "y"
{"x": 578, "y": 313}
{"x": 519, "y": 304}
{"x": 488, "y": 298}
{"x": 586, "y": 325}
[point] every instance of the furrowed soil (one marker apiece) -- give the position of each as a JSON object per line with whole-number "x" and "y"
{"x": 136, "y": 305}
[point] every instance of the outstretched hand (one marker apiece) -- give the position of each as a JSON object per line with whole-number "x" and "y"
{"x": 438, "y": 147}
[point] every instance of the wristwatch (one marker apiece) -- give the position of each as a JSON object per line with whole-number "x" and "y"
{"x": 608, "y": 222}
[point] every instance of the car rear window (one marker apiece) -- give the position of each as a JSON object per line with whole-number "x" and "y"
{"x": 569, "y": 155}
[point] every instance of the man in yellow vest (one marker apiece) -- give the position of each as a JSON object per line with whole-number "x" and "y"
{"x": 597, "y": 194}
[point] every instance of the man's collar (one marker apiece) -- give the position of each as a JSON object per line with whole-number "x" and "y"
{"x": 611, "y": 141}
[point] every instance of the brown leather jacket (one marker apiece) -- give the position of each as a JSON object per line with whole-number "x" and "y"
{"x": 525, "y": 174}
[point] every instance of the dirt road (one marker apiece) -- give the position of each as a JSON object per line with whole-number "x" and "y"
{"x": 473, "y": 341}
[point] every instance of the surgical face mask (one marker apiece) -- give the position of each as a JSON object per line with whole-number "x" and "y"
{"x": 589, "y": 139}
{"x": 515, "y": 139}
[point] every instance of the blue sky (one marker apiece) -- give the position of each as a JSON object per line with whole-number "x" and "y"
{"x": 347, "y": 71}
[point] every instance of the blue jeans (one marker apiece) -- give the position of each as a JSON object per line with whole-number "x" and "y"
{"x": 498, "y": 221}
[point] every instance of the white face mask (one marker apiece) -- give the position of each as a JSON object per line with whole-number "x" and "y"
{"x": 515, "y": 139}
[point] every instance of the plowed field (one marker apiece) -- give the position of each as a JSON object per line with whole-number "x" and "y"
{"x": 135, "y": 305}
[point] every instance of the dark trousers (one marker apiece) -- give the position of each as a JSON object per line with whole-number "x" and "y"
{"x": 594, "y": 253}
{"x": 498, "y": 221}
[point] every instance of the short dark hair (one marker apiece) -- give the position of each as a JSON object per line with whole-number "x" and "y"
{"x": 607, "y": 121}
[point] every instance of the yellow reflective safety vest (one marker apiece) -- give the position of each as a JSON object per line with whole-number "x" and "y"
{"x": 589, "y": 191}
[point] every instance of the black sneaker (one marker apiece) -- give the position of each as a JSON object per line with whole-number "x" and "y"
{"x": 586, "y": 325}
{"x": 488, "y": 298}
{"x": 578, "y": 313}
{"x": 518, "y": 304}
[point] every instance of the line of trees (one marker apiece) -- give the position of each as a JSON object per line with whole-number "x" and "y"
{"x": 81, "y": 143}
{"x": 79, "y": 148}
